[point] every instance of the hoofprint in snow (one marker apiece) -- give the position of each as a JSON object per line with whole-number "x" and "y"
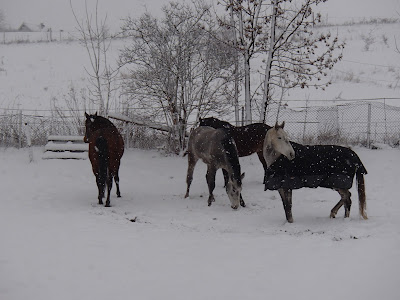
{"x": 58, "y": 243}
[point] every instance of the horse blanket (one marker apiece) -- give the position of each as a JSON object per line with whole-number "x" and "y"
{"x": 326, "y": 166}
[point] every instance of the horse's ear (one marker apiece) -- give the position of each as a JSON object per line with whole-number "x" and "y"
{"x": 95, "y": 114}
{"x": 86, "y": 115}
{"x": 242, "y": 176}
{"x": 277, "y": 126}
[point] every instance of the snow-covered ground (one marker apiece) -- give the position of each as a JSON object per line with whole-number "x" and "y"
{"x": 58, "y": 243}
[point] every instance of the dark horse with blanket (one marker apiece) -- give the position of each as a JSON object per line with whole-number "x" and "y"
{"x": 325, "y": 166}
{"x": 106, "y": 148}
{"x": 249, "y": 139}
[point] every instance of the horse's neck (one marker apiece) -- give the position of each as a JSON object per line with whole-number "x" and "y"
{"x": 270, "y": 155}
{"x": 104, "y": 124}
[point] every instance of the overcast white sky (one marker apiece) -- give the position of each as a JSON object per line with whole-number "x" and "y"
{"x": 57, "y": 13}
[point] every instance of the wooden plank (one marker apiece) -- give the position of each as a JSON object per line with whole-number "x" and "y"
{"x": 65, "y": 138}
{"x": 65, "y": 155}
{"x": 66, "y": 147}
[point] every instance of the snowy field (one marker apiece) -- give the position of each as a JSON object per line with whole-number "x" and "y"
{"x": 58, "y": 243}
{"x": 38, "y": 75}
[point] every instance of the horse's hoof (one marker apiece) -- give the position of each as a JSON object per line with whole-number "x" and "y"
{"x": 234, "y": 206}
{"x": 119, "y": 196}
{"x": 242, "y": 204}
{"x": 107, "y": 205}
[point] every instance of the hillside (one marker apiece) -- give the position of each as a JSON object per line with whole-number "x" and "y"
{"x": 33, "y": 75}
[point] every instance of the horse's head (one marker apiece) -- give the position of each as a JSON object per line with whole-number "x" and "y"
{"x": 210, "y": 121}
{"x": 234, "y": 189}
{"x": 277, "y": 141}
{"x": 89, "y": 126}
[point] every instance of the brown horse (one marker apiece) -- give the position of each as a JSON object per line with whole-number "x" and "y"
{"x": 106, "y": 148}
{"x": 249, "y": 139}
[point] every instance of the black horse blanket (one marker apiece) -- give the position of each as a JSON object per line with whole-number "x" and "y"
{"x": 313, "y": 166}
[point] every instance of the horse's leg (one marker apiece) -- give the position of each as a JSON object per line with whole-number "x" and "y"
{"x": 116, "y": 179}
{"x": 100, "y": 187}
{"x": 115, "y": 174}
{"x": 210, "y": 177}
{"x": 338, "y": 205}
{"x": 189, "y": 177}
{"x": 109, "y": 182}
{"x": 226, "y": 177}
{"x": 242, "y": 204}
{"x": 344, "y": 199}
{"x": 286, "y": 195}
{"x": 264, "y": 163}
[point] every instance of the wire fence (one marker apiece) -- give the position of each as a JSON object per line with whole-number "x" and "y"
{"x": 359, "y": 122}
{"x": 17, "y": 125}
{"x": 365, "y": 123}
{"x": 12, "y": 37}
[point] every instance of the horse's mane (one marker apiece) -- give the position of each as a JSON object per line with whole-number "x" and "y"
{"x": 232, "y": 154}
{"x": 99, "y": 122}
{"x": 104, "y": 121}
{"x": 215, "y": 123}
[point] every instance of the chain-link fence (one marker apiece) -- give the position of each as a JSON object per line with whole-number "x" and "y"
{"x": 364, "y": 123}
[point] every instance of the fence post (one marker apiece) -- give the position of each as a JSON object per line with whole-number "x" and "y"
{"x": 384, "y": 110}
{"x": 29, "y": 141}
{"x": 369, "y": 126}
{"x": 19, "y": 129}
{"x": 127, "y": 129}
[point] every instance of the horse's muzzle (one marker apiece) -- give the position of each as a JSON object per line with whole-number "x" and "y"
{"x": 291, "y": 155}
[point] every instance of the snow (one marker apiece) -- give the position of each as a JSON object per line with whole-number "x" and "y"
{"x": 58, "y": 243}
{"x": 38, "y": 76}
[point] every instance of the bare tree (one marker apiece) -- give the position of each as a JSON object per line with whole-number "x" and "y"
{"x": 95, "y": 37}
{"x": 176, "y": 69}
{"x": 246, "y": 22}
{"x": 282, "y": 30}
{"x": 296, "y": 56}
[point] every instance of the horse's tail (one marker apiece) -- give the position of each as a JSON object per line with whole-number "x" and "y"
{"x": 102, "y": 155}
{"x": 362, "y": 201}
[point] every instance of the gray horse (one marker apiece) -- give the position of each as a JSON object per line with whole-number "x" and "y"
{"x": 217, "y": 149}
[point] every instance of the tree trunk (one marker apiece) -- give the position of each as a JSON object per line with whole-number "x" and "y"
{"x": 247, "y": 97}
{"x": 269, "y": 62}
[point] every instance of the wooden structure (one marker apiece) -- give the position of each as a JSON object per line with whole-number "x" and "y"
{"x": 65, "y": 147}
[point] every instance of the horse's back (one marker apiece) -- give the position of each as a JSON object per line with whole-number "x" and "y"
{"x": 215, "y": 123}
{"x": 249, "y": 138}
{"x": 205, "y": 142}
{"x": 113, "y": 138}
{"x": 331, "y": 158}
{"x": 328, "y": 166}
